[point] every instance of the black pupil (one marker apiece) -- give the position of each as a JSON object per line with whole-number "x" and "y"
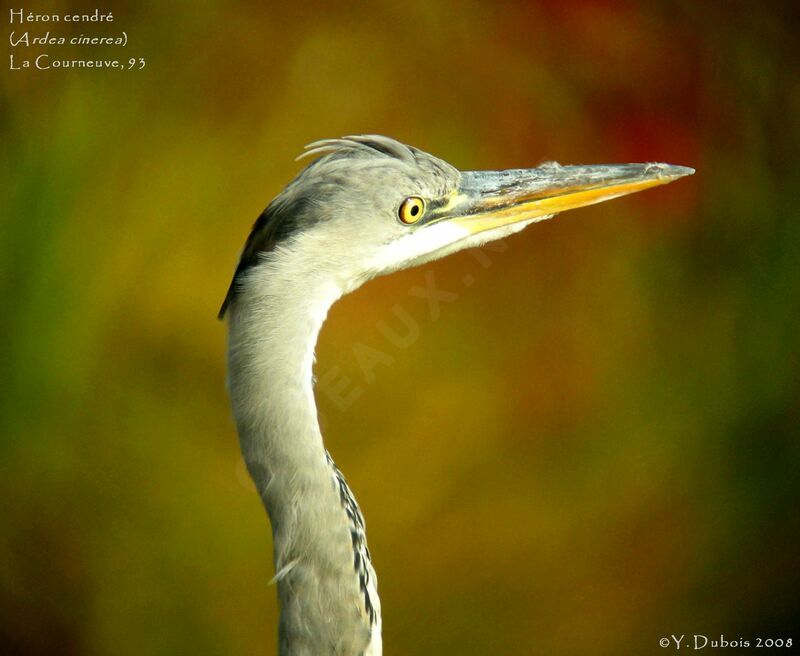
{"x": 414, "y": 210}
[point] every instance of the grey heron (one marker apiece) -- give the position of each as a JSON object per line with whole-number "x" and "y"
{"x": 365, "y": 206}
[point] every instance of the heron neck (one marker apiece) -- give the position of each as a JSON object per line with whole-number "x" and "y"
{"x": 326, "y": 585}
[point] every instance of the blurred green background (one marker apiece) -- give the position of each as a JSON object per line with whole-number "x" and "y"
{"x": 593, "y": 446}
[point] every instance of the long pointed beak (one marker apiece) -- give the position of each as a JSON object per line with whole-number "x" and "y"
{"x": 492, "y": 199}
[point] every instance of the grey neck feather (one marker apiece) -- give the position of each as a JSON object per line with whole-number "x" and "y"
{"x": 326, "y": 584}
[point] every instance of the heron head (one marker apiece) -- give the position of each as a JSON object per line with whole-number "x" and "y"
{"x": 370, "y": 205}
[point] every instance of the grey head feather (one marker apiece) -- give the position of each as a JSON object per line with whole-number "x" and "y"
{"x": 276, "y": 223}
{"x": 366, "y": 143}
{"x": 299, "y": 205}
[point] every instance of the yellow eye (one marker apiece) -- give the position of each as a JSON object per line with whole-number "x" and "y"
{"x": 411, "y": 210}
